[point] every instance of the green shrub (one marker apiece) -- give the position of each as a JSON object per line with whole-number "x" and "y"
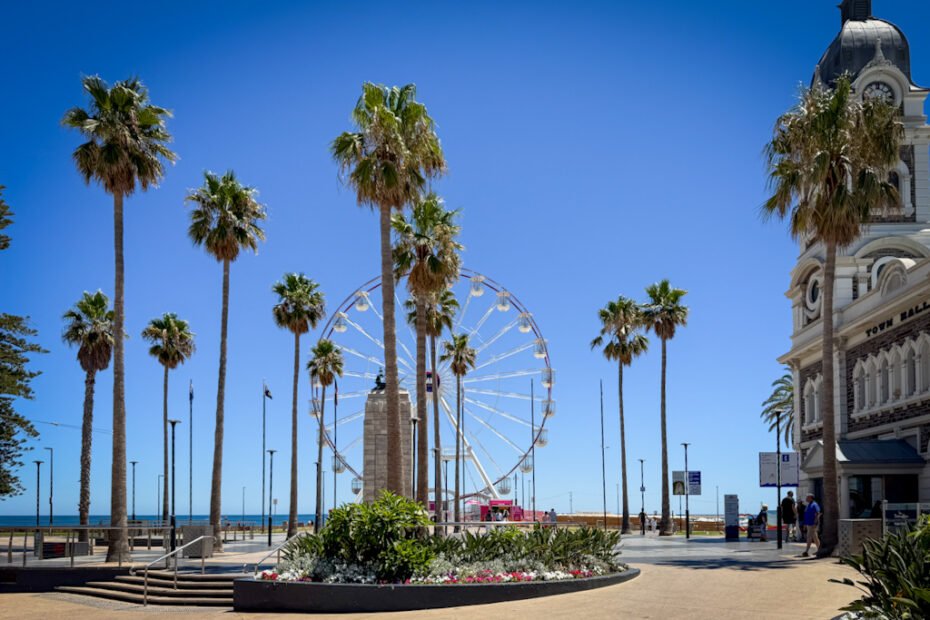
{"x": 897, "y": 575}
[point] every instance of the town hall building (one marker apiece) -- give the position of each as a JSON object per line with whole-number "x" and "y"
{"x": 882, "y": 301}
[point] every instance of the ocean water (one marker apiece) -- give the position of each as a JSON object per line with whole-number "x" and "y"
{"x": 104, "y": 520}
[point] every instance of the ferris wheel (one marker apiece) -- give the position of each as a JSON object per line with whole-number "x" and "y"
{"x": 507, "y": 396}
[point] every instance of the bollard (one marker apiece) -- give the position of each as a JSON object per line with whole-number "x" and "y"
{"x": 25, "y": 542}
{"x": 9, "y": 553}
{"x": 150, "y": 538}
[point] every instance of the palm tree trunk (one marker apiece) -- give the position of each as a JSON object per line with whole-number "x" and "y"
{"x": 86, "y": 439}
{"x": 118, "y": 547}
{"x": 830, "y": 492}
{"x": 458, "y": 448}
{"x": 625, "y": 526}
{"x": 438, "y": 495}
{"x": 292, "y": 512}
{"x": 395, "y": 473}
{"x": 319, "y": 464}
{"x": 164, "y": 495}
{"x": 216, "y": 488}
{"x": 665, "y": 526}
{"x": 422, "y": 423}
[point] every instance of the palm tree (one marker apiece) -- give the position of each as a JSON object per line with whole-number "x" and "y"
{"x": 461, "y": 358}
{"x": 325, "y": 365}
{"x": 428, "y": 254}
{"x": 663, "y": 314}
{"x": 388, "y": 161}
{"x": 300, "y": 307}
{"x": 778, "y": 408}
{"x": 620, "y": 321}
{"x": 440, "y": 312}
{"x": 828, "y": 165}
{"x": 89, "y": 327}
{"x": 172, "y": 344}
{"x": 125, "y": 148}
{"x": 225, "y": 222}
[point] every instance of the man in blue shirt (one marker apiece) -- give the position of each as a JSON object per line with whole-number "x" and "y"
{"x": 812, "y": 516}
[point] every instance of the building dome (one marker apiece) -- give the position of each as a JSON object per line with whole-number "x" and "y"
{"x": 854, "y": 47}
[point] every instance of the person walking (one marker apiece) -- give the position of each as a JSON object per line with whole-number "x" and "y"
{"x": 763, "y": 522}
{"x": 802, "y": 531}
{"x": 789, "y": 515}
{"x": 812, "y": 515}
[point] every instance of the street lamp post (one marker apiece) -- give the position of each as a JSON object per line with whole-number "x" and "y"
{"x": 174, "y": 523}
{"x": 51, "y": 484}
{"x": 533, "y": 446}
{"x": 270, "y": 487}
{"x": 603, "y": 462}
{"x": 265, "y": 394}
{"x": 413, "y": 460}
{"x": 190, "y": 458}
{"x": 687, "y": 493}
{"x": 642, "y": 498}
{"x": 133, "y": 463}
{"x": 38, "y": 487}
{"x": 778, "y": 517}
{"x": 243, "y": 504}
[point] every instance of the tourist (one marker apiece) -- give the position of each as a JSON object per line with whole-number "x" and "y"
{"x": 802, "y": 530}
{"x": 642, "y": 522}
{"x": 812, "y": 516}
{"x": 789, "y": 515}
{"x": 553, "y": 517}
{"x": 763, "y": 522}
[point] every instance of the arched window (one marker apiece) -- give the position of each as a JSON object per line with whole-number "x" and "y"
{"x": 910, "y": 371}
{"x": 810, "y": 399}
{"x": 859, "y": 387}
{"x": 895, "y": 390}
{"x": 884, "y": 382}
{"x": 818, "y": 387}
{"x": 924, "y": 362}
{"x": 871, "y": 380}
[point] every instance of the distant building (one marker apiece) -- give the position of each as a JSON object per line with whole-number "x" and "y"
{"x": 882, "y": 301}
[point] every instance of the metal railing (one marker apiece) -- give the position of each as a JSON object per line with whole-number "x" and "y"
{"x": 271, "y": 553}
{"x": 166, "y": 557}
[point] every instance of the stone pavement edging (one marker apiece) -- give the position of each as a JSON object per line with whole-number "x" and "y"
{"x": 260, "y": 595}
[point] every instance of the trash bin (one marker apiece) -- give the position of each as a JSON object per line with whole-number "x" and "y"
{"x": 202, "y": 548}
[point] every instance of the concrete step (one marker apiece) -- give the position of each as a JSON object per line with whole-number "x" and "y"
{"x": 132, "y": 597}
{"x": 161, "y": 590}
{"x": 168, "y": 582}
{"x": 192, "y": 576}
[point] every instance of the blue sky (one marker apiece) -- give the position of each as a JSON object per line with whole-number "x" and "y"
{"x": 594, "y": 148}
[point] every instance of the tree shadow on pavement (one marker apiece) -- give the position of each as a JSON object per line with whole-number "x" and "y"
{"x": 730, "y": 563}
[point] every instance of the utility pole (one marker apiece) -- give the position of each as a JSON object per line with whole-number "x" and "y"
{"x": 778, "y": 516}
{"x": 133, "y": 463}
{"x": 687, "y": 494}
{"x": 642, "y": 498}
{"x": 174, "y": 522}
{"x": 603, "y": 462}
{"x": 265, "y": 394}
{"x": 571, "y": 507}
{"x": 38, "y": 488}
{"x": 243, "y": 504}
{"x": 51, "y": 484}
{"x": 190, "y": 458}
{"x": 533, "y": 447}
{"x": 270, "y": 489}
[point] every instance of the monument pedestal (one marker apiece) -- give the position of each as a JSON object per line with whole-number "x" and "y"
{"x": 374, "y": 477}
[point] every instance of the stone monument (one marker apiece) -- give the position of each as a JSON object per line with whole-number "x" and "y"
{"x": 374, "y": 474}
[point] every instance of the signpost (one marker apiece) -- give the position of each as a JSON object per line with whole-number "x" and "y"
{"x": 678, "y": 483}
{"x": 768, "y": 472}
{"x": 731, "y": 516}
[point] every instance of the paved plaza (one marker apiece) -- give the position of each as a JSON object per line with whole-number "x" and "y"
{"x": 701, "y": 578}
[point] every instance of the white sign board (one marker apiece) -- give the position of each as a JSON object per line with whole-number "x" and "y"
{"x": 678, "y": 483}
{"x": 790, "y": 470}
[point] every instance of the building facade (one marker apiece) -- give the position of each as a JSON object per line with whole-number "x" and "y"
{"x": 882, "y": 300}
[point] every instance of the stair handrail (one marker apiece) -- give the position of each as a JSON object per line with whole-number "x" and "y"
{"x": 145, "y": 581}
{"x": 271, "y": 553}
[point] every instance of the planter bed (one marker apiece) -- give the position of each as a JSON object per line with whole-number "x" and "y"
{"x": 265, "y": 595}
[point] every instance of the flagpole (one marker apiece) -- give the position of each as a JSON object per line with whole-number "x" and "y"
{"x": 335, "y": 434}
{"x": 264, "y": 391}
{"x": 190, "y": 459}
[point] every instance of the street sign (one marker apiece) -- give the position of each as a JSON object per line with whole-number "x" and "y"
{"x": 768, "y": 474}
{"x": 678, "y": 483}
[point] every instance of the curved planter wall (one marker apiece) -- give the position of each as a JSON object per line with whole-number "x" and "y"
{"x": 256, "y": 595}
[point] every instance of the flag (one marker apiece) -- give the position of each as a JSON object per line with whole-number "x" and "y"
{"x": 192, "y": 391}
{"x": 267, "y": 392}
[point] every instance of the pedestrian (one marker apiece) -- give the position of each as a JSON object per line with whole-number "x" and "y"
{"x": 763, "y": 522}
{"x": 802, "y": 530}
{"x": 642, "y": 522}
{"x": 553, "y": 517}
{"x": 812, "y": 515}
{"x": 789, "y": 515}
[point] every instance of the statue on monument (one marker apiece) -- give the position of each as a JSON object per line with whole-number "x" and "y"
{"x": 379, "y": 381}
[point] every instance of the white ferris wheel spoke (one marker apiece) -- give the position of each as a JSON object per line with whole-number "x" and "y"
{"x": 362, "y": 331}
{"x": 504, "y": 375}
{"x": 350, "y": 445}
{"x": 488, "y": 454}
{"x": 367, "y": 358}
{"x": 469, "y": 453}
{"x": 461, "y": 316}
{"x": 503, "y": 394}
{"x": 400, "y": 305}
{"x": 345, "y": 420}
{"x": 359, "y": 375}
{"x": 494, "y": 410}
{"x": 506, "y": 354}
{"x": 495, "y": 431}
{"x": 483, "y": 319}
{"x": 497, "y": 336}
